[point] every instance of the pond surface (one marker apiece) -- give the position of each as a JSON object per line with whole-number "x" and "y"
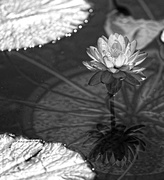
{"x": 61, "y": 106}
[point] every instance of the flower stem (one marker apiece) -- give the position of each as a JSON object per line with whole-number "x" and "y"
{"x": 110, "y": 106}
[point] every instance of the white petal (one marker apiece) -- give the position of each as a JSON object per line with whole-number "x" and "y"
{"x": 126, "y": 60}
{"x": 113, "y": 70}
{"x": 140, "y": 58}
{"x": 126, "y": 41}
{"x": 110, "y": 57}
{"x": 107, "y": 62}
{"x": 122, "y": 42}
{"x": 112, "y": 39}
{"x": 132, "y": 59}
{"x": 139, "y": 62}
{"x": 98, "y": 65}
{"x": 102, "y": 46}
{"x": 91, "y": 54}
{"x": 138, "y": 70}
{"x": 120, "y": 60}
{"x": 133, "y": 46}
{"x": 105, "y": 39}
{"x": 116, "y": 35}
{"x": 127, "y": 51}
{"x": 88, "y": 66}
{"x": 98, "y": 55}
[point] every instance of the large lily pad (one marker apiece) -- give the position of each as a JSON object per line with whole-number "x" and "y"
{"x": 30, "y": 23}
{"x": 23, "y": 158}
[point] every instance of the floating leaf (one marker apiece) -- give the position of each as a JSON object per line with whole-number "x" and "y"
{"x": 34, "y": 159}
{"x": 20, "y": 20}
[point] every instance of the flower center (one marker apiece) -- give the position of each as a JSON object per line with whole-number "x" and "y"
{"x": 116, "y": 49}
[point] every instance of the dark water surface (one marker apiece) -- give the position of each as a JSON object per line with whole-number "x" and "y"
{"x": 36, "y": 104}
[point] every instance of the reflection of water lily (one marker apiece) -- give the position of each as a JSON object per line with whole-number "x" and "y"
{"x": 116, "y": 145}
{"x": 115, "y": 58}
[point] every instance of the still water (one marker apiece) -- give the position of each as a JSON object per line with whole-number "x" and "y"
{"x": 60, "y": 106}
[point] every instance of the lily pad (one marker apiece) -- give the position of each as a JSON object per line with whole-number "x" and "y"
{"x": 34, "y": 159}
{"x": 31, "y": 23}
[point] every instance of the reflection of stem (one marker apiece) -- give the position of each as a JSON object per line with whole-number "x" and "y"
{"x": 135, "y": 157}
{"x": 54, "y": 73}
{"x": 111, "y": 107}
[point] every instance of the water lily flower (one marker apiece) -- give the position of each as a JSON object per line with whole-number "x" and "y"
{"x": 115, "y": 59}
